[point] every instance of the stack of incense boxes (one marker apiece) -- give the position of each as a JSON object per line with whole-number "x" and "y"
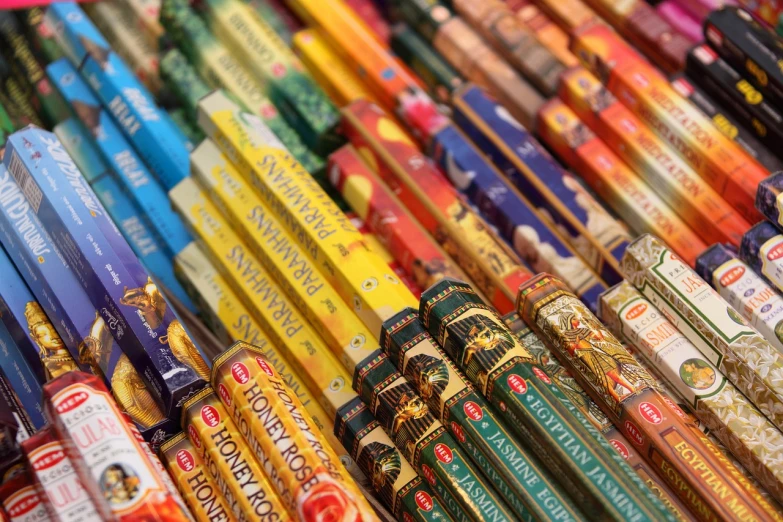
{"x": 347, "y": 259}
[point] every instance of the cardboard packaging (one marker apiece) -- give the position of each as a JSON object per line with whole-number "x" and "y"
{"x": 467, "y": 52}
{"x": 515, "y": 42}
{"x": 14, "y": 96}
{"x": 768, "y": 199}
{"x": 750, "y": 107}
{"x": 273, "y": 12}
{"x": 749, "y": 47}
{"x": 152, "y": 134}
{"x": 547, "y": 32}
{"x": 86, "y": 335}
{"x": 146, "y": 192}
{"x": 385, "y": 75}
{"x": 331, "y": 242}
{"x": 715, "y": 401}
{"x": 305, "y": 474}
{"x": 199, "y": 490}
{"x": 78, "y": 405}
{"x": 134, "y": 227}
{"x": 39, "y": 353}
{"x": 703, "y": 209}
{"x": 376, "y": 246}
{"x": 7, "y": 126}
{"x": 221, "y": 69}
{"x": 726, "y": 123}
{"x": 435, "y": 203}
{"x": 183, "y": 82}
{"x": 646, "y": 92}
{"x": 613, "y": 181}
{"x": 394, "y": 226}
{"x": 534, "y": 240}
{"x": 56, "y": 479}
{"x": 117, "y": 284}
{"x": 115, "y": 21}
{"x": 277, "y": 69}
{"x": 21, "y": 379}
{"x": 597, "y": 236}
{"x": 529, "y": 490}
{"x": 21, "y": 500}
{"x": 371, "y": 449}
{"x": 760, "y": 249}
{"x": 755, "y": 300}
{"x": 681, "y": 20}
{"x": 574, "y": 392}
{"x": 218, "y": 439}
{"x": 192, "y": 133}
{"x": 329, "y": 69}
{"x": 709, "y": 322}
{"x": 49, "y": 104}
{"x": 370, "y": 14}
{"x": 504, "y": 372}
{"x": 643, "y": 27}
{"x": 41, "y": 36}
{"x": 625, "y": 393}
{"x": 438, "y": 76}
{"x": 146, "y": 16}
{"x": 570, "y": 15}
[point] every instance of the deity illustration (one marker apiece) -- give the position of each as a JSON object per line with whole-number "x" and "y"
{"x": 484, "y": 343}
{"x": 385, "y": 464}
{"x": 606, "y": 358}
{"x": 149, "y": 300}
{"x": 697, "y": 374}
{"x": 598, "y": 98}
{"x": 54, "y": 355}
{"x": 96, "y": 348}
{"x": 119, "y": 484}
{"x": 429, "y": 374}
{"x": 132, "y": 395}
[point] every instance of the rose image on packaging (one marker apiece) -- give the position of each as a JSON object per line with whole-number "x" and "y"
{"x": 111, "y": 463}
{"x": 64, "y": 497}
{"x": 308, "y": 475}
{"x": 213, "y": 432}
{"x": 198, "y": 488}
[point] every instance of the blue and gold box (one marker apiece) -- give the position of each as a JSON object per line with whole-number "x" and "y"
{"x": 146, "y": 245}
{"x": 117, "y": 284}
{"x": 148, "y": 128}
{"x": 590, "y": 229}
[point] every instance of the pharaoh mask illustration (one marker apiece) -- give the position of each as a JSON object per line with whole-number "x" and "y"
{"x": 184, "y": 349}
{"x": 385, "y": 463}
{"x": 485, "y": 342}
{"x": 410, "y": 406}
{"x": 119, "y": 484}
{"x": 405, "y": 415}
{"x": 428, "y": 374}
{"x": 96, "y": 348}
{"x": 613, "y": 369}
{"x": 132, "y": 395}
{"x": 54, "y": 355}
{"x": 148, "y": 300}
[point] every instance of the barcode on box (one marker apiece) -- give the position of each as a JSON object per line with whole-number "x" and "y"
{"x": 25, "y": 182}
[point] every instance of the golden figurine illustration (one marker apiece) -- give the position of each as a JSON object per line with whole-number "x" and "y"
{"x": 54, "y": 355}
{"x": 606, "y": 358}
{"x": 148, "y": 300}
{"x": 96, "y": 348}
{"x": 185, "y": 350}
{"x": 384, "y": 462}
{"x": 405, "y": 415}
{"x": 483, "y": 342}
{"x": 410, "y": 406}
{"x": 132, "y": 395}
{"x": 428, "y": 374}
